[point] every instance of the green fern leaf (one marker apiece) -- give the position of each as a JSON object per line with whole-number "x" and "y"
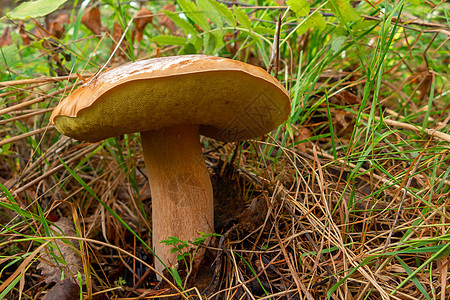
{"x": 344, "y": 9}
{"x": 187, "y": 27}
{"x": 208, "y": 10}
{"x": 242, "y": 17}
{"x": 193, "y": 13}
{"x": 315, "y": 21}
{"x": 169, "y": 40}
{"x": 299, "y": 7}
{"x": 224, "y": 12}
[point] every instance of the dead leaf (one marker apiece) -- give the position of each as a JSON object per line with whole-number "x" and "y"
{"x": 40, "y": 32}
{"x": 302, "y": 134}
{"x": 143, "y": 17}
{"x": 165, "y": 20}
{"x": 343, "y": 122}
{"x": 424, "y": 78}
{"x": 116, "y": 36}
{"x": 23, "y": 33}
{"x": 340, "y": 121}
{"x": 57, "y": 28}
{"x": 230, "y": 44}
{"x": 5, "y": 39}
{"x": 67, "y": 252}
{"x": 92, "y": 20}
{"x": 348, "y": 97}
{"x": 64, "y": 290}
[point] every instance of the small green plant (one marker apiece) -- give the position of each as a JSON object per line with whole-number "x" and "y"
{"x": 120, "y": 281}
{"x": 361, "y": 167}
{"x": 184, "y": 255}
{"x": 178, "y": 247}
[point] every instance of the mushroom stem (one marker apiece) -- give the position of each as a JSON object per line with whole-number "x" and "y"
{"x": 182, "y": 197}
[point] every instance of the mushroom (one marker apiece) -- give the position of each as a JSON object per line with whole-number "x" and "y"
{"x": 171, "y": 101}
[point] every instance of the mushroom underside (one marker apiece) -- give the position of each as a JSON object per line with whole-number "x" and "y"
{"x": 229, "y": 106}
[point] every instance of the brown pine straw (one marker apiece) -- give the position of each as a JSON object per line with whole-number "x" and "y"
{"x": 82, "y": 153}
{"x": 431, "y": 132}
{"x": 22, "y": 105}
{"x": 27, "y": 261}
{"x": 307, "y": 204}
{"x": 43, "y": 79}
{"x": 26, "y": 134}
{"x": 26, "y": 116}
{"x": 22, "y": 267}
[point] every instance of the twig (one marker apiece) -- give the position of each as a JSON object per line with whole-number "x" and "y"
{"x": 34, "y": 101}
{"x": 275, "y": 58}
{"x": 40, "y": 80}
{"x": 114, "y": 51}
{"x": 25, "y": 135}
{"x": 431, "y": 132}
{"x": 25, "y": 116}
{"x": 436, "y": 27}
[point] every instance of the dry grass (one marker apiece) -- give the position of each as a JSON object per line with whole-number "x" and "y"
{"x": 349, "y": 200}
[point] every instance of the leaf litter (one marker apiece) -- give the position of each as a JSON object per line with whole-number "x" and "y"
{"x": 305, "y": 222}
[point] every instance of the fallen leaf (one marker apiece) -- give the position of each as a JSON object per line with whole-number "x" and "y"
{"x": 91, "y": 19}
{"x": 40, "y": 32}
{"x": 230, "y": 44}
{"x": 51, "y": 266}
{"x": 116, "y": 36}
{"x": 165, "y": 20}
{"x": 57, "y": 28}
{"x": 5, "y": 39}
{"x": 143, "y": 17}
{"x": 424, "y": 78}
{"x": 64, "y": 290}
{"x": 343, "y": 122}
{"x": 348, "y": 97}
{"x": 23, "y": 33}
{"x": 302, "y": 134}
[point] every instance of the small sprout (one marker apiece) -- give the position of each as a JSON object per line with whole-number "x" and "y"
{"x": 120, "y": 282}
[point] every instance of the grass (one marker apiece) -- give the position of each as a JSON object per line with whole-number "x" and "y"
{"x": 347, "y": 200}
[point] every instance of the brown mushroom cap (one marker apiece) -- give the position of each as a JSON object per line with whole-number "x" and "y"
{"x": 231, "y": 100}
